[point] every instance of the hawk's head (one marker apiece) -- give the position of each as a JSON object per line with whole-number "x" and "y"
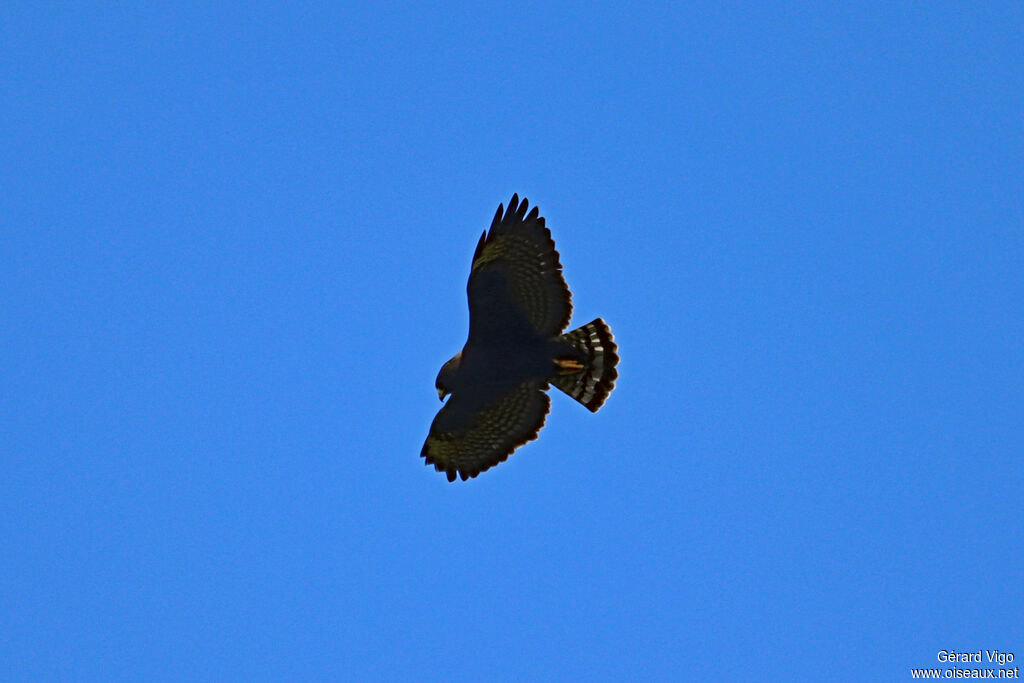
{"x": 446, "y": 377}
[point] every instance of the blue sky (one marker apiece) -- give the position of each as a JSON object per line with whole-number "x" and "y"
{"x": 234, "y": 243}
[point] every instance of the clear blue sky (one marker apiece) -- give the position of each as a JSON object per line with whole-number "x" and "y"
{"x": 233, "y": 255}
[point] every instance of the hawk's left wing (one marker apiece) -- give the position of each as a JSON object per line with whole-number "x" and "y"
{"x": 516, "y": 287}
{"x": 470, "y": 435}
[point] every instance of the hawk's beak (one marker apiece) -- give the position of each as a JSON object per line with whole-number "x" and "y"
{"x": 441, "y": 393}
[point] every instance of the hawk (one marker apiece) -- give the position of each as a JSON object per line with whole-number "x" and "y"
{"x": 519, "y": 305}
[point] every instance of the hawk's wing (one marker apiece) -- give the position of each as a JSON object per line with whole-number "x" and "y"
{"x": 470, "y": 435}
{"x": 517, "y": 280}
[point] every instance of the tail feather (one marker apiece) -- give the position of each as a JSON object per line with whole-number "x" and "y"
{"x": 590, "y": 380}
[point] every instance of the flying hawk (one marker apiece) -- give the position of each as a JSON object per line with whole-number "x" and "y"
{"x": 519, "y": 305}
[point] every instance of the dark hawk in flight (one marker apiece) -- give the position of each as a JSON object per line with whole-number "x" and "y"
{"x": 519, "y": 305}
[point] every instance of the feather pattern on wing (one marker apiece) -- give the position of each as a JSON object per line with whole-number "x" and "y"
{"x": 467, "y": 439}
{"x": 517, "y": 276}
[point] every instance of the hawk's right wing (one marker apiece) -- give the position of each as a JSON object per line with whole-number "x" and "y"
{"x": 469, "y": 435}
{"x": 516, "y": 288}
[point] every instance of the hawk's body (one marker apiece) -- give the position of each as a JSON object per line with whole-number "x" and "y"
{"x": 519, "y": 304}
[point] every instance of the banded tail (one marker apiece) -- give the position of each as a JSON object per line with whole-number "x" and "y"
{"x": 590, "y": 378}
